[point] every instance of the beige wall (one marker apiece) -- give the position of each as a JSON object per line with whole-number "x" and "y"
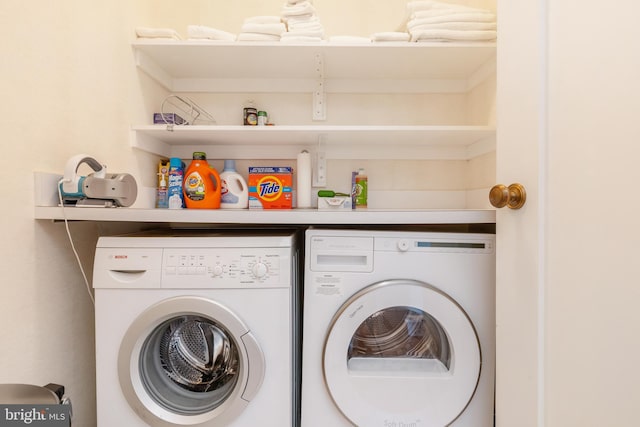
{"x": 70, "y": 86}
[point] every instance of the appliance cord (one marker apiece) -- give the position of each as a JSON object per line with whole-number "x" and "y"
{"x": 73, "y": 247}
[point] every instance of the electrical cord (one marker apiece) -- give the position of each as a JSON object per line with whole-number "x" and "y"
{"x": 73, "y": 247}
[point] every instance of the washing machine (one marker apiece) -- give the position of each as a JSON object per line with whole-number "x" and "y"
{"x": 398, "y": 329}
{"x": 196, "y": 329}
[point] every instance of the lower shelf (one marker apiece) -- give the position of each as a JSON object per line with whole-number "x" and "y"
{"x": 280, "y": 217}
{"x": 338, "y": 142}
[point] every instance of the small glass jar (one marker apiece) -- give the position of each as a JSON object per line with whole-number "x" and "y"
{"x": 250, "y": 116}
{"x": 262, "y": 118}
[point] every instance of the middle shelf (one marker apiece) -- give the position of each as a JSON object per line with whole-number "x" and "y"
{"x": 338, "y": 142}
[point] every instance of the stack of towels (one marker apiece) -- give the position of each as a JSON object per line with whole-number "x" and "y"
{"x": 262, "y": 28}
{"x": 302, "y": 22}
{"x": 437, "y": 21}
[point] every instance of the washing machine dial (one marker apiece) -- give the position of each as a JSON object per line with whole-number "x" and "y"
{"x": 259, "y": 269}
{"x": 403, "y": 245}
{"x": 217, "y": 270}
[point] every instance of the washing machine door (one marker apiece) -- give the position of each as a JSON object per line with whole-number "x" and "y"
{"x": 401, "y": 352}
{"x": 189, "y": 361}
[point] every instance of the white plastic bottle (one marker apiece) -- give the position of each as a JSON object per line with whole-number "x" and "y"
{"x": 235, "y": 192}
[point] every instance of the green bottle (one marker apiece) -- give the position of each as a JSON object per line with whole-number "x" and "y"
{"x": 361, "y": 189}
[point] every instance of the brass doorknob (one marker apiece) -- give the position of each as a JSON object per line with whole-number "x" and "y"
{"x": 512, "y": 196}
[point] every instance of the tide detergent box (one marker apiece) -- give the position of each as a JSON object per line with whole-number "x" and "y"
{"x": 270, "y": 188}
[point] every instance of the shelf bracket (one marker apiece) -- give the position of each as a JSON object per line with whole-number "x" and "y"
{"x": 319, "y": 163}
{"x": 319, "y": 101}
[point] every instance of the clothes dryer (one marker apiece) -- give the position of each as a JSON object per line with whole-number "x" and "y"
{"x": 398, "y": 329}
{"x": 196, "y": 329}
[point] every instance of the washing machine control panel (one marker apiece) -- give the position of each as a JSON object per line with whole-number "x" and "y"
{"x": 235, "y": 268}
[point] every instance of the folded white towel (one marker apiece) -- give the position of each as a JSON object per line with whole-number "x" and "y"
{"x": 453, "y": 16}
{"x": 302, "y": 8}
{"x": 466, "y": 26}
{"x": 207, "y": 33}
{"x": 390, "y": 36}
{"x": 262, "y": 20}
{"x": 452, "y": 35}
{"x": 301, "y": 18}
{"x": 349, "y": 39}
{"x": 275, "y": 29}
{"x": 414, "y": 6}
{"x": 302, "y": 33}
{"x": 157, "y": 33}
{"x": 256, "y": 37}
{"x": 299, "y": 23}
{"x": 304, "y": 39}
{"x": 311, "y": 26}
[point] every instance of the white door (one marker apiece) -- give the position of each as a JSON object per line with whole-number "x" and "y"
{"x": 191, "y": 361}
{"x": 567, "y": 286}
{"x": 401, "y": 347}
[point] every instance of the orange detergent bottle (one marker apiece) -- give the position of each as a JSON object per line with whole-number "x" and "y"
{"x": 201, "y": 185}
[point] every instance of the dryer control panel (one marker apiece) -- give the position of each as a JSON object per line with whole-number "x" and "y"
{"x": 228, "y": 268}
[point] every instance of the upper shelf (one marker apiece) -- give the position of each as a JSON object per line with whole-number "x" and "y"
{"x": 195, "y": 66}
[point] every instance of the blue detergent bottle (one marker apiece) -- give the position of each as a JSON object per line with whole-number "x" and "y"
{"x": 174, "y": 189}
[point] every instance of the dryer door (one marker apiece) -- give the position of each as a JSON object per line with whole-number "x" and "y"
{"x": 401, "y": 352}
{"x": 189, "y": 361}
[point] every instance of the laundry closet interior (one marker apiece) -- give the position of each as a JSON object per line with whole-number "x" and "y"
{"x": 420, "y": 118}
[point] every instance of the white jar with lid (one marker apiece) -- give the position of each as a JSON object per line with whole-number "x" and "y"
{"x": 262, "y": 118}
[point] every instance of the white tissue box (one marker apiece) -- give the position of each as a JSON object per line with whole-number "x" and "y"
{"x": 334, "y": 203}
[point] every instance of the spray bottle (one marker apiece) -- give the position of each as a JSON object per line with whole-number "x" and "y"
{"x": 162, "y": 191}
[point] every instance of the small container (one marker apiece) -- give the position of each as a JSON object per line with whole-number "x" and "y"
{"x": 362, "y": 188}
{"x": 162, "y": 195}
{"x": 262, "y": 118}
{"x": 250, "y": 114}
{"x": 354, "y": 189}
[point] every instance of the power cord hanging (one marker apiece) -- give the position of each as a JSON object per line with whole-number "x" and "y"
{"x": 73, "y": 247}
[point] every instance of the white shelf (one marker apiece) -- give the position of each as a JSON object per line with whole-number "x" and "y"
{"x": 276, "y": 217}
{"x": 194, "y": 66}
{"x": 318, "y": 68}
{"x": 339, "y": 142}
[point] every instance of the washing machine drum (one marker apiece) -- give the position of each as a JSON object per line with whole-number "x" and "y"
{"x": 196, "y": 355}
{"x": 401, "y": 352}
{"x": 189, "y": 361}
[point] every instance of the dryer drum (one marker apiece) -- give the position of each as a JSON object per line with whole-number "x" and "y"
{"x": 197, "y": 355}
{"x": 401, "y": 332}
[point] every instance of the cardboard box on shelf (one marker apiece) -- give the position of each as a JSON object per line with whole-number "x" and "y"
{"x": 270, "y": 188}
